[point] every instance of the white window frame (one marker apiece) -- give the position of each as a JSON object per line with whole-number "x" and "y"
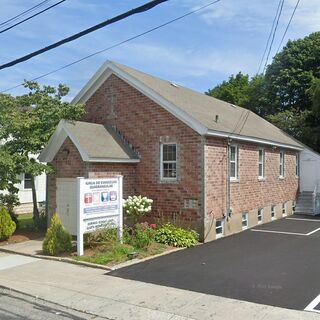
{"x": 246, "y": 215}
{"x": 236, "y": 161}
{"x": 220, "y": 235}
{"x": 260, "y": 215}
{"x": 284, "y": 209}
{"x": 297, "y": 165}
{"x": 281, "y": 164}
{"x": 293, "y": 206}
{"x": 262, "y": 163}
{"x": 273, "y": 212}
{"x": 168, "y": 161}
{"x": 23, "y": 182}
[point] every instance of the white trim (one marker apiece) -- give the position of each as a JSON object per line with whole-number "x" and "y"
{"x": 263, "y": 164}
{"x": 247, "y": 220}
{"x": 284, "y": 207}
{"x": 261, "y": 215}
{"x": 58, "y": 138}
{"x": 274, "y": 217}
{"x": 281, "y": 164}
{"x": 220, "y": 235}
{"x": 108, "y": 68}
{"x": 236, "y": 162}
{"x": 251, "y": 139}
{"x": 162, "y": 178}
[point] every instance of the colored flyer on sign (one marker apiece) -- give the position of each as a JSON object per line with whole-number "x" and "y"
{"x": 100, "y": 196}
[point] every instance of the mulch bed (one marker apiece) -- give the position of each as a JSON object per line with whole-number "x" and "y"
{"x": 22, "y": 236}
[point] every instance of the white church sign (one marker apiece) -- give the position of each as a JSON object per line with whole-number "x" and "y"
{"x": 99, "y": 205}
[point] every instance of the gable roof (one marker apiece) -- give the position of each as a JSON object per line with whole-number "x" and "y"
{"x": 205, "y": 114}
{"x": 95, "y": 143}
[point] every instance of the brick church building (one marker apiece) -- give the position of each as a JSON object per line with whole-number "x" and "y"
{"x": 218, "y": 167}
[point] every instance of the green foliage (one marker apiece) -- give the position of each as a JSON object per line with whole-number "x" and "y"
{"x": 101, "y": 236}
{"x": 174, "y": 236}
{"x": 137, "y": 206}
{"x": 7, "y": 226}
{"x": 57, "y": 239}
{"x": 26, "y": 124}
{"x": 144, "y": 235}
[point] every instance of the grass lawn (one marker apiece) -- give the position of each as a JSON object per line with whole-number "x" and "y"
{"x": 115, "y": 252}
{"x": 25, "y": 221}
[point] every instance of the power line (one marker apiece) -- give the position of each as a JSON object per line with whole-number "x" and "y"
{"x": 34, "y": 15}
{"x": 24, "y": 13}
{"x": 273, "y": 35}
{"x": 267, "y": 44}
{"x": 144, "y": 7}
{"x": 288, "y": 25}
{"x": 115, "y": 45}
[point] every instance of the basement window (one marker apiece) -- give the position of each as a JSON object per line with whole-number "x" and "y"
{"x": 168, "y": 161}
{"x": 284, "y": 209}
{"x": 244, "y": 221}
{"x": 293, "y": 206}
{"x": 273, "y": 212}
{"x": 260, "y": 215}
{"x": 219, "y": 228}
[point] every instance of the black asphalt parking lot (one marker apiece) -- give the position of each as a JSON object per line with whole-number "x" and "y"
{"x": 265, "y": 266}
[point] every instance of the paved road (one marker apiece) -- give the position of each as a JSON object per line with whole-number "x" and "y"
{"x": 16, "y": 306}
{"x": 277, "y": 265}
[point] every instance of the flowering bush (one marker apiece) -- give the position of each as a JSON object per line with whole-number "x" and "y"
{"x": 137, "y": 206}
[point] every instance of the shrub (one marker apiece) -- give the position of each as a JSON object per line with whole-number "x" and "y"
{"x": 174, "y": 236}
{"x": 101, "y": 236}
{"x": 143, "y": 235}
{"x": 7, "y": 226}
{"x": 137, "y": 206}
{"x": 57, "y": 239}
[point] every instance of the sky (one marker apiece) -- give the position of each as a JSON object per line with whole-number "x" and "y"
{"x": 199, "y": 51}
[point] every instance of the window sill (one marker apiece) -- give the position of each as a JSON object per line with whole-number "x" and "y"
{"x": 234, "y": 180}
{"x": 218, "y": 236}
{"x": 173, "y": 181}
{"x": 261, "y": 179}
{"x": 281, "y": 178}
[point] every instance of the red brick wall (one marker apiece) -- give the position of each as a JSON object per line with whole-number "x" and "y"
{"x": 144, "y": 124}
{"x": 248, "y": 192}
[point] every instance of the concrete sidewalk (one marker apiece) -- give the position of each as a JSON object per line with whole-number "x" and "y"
{"x": 93, "y": 291}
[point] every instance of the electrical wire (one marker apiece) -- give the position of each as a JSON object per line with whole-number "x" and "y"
{"x": 34, "y": 15}
{"x": 288, "y": 25}
{"x": 24, "y": 13}
{"x": 273, "y": 35}
{"x": 269, "y": 37}
{"x": 145, "y": 7}
{"x": 115, "y": 45}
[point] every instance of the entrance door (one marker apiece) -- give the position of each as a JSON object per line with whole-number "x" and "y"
{"x": 67, "y": 203}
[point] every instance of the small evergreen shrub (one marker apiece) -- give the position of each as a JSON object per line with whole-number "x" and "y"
{"x": 57, "y": 239}
{"x": 7, "y": 226}
{"x": 174, "y": 236}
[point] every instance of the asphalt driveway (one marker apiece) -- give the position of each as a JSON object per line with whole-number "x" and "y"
{"x": 276, "y": 264}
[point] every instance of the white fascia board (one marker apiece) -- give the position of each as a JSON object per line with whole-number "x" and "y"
{"x": 56, "y": 141}
{"x": 251, "y": 139}
{"x": 113, "y": 160}
{"x": 109, "y": 68}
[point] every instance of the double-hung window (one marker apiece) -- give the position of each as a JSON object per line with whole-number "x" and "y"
{"x": 27, "y": 184}
{"x": 234, "y": 159}
{"x": 168, "y": 161}
{"x": 297, "y": 164}
{"x": 261, "y": 163}
{"x": 281, "y": 164}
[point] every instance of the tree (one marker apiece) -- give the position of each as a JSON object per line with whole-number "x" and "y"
{"x": 292, "y": 72}
{"x": 242, "y": 91}
{"x": 28, "y": 121}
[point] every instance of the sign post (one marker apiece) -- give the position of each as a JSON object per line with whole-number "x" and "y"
{"x": 99, "y": 205}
